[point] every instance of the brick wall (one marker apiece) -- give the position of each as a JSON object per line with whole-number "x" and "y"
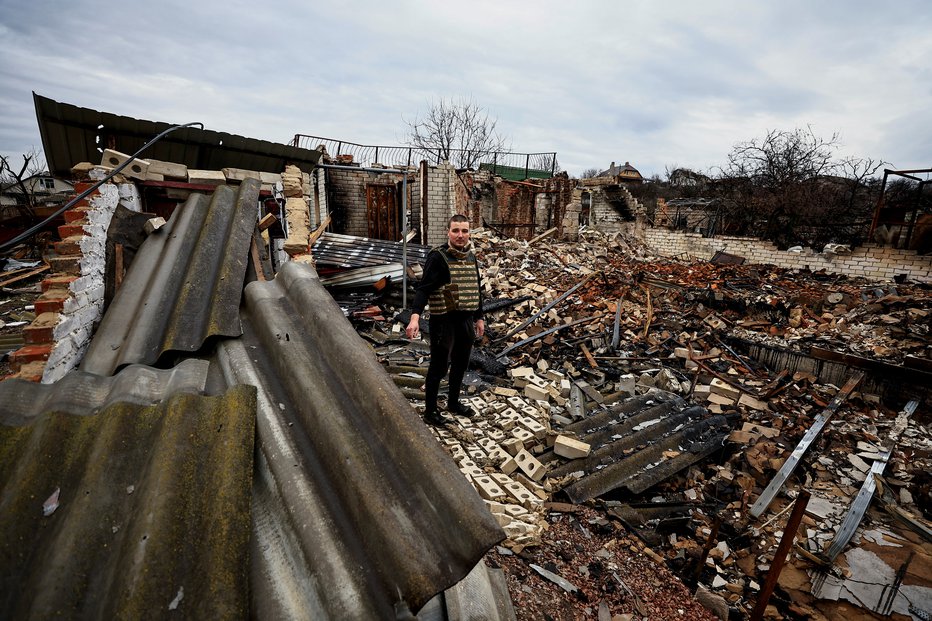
{"x": 73, "y": 295}
{"x": 319, "y": 207}
{"x": 869, "y": 261}
{"x": 441, "y": 202}
{"x": 346, "y": 197}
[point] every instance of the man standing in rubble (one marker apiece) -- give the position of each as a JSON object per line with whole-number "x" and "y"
{"x": 453, "y": 288}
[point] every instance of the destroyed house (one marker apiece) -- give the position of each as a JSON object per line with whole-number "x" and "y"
{"x": 643, "y": 429}
{"x": 205, "y": 424}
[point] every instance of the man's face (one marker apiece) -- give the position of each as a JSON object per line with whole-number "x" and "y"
{"x": 458, "y": 234}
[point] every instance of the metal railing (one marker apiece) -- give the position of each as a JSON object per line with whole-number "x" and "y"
{"x": 531, "y": 165}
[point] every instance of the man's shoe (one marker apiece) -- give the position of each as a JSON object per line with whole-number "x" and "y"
{"x": 436, "y": 418}
{"x": 460, "y": 409}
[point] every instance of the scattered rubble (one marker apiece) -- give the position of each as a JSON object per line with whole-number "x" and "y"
{"x": 635, "y": 374}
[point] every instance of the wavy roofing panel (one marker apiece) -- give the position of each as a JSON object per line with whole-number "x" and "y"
{"x": 129, "y": 513}
{"x": 356, "y": 507}
{"x": 347, "y": 251}
{"x": 184, "y": 284}
{"x": 639, "y": 443}
{"x": 84, "y": 393}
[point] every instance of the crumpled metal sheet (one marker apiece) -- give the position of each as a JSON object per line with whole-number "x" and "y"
{"x": 82, "y": 393}
{"x": 184, "y": 285}
{"x": 356, "y": 508}
{"x": 133, "y": 512}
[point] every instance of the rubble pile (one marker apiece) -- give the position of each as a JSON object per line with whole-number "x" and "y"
{"x": 614, "y": 366}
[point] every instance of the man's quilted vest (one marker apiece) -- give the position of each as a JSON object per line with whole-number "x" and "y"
{"x": 462, "y": 293}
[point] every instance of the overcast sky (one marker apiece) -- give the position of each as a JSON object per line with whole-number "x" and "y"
{"x": 657, "y": 83}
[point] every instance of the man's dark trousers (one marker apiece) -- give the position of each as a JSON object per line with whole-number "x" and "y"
{"x": 451, "y": 339}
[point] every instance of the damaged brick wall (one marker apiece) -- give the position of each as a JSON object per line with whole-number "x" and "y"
{"x": 73, "y": 296}
{"x": 869, "y": 261}
{"x": 440, "y": 202}
{"x": 562, "y": 192}
{"x": 343, "y": 195}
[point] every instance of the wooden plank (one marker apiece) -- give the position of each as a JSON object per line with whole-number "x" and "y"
{"x": 22, "y": 276}
{"x": 543, "y": 235}
{"x": 589, "y": 358}
{"x": 117, "y": 266}
{"x": 256, "y": 263}
{"x": 319, "y": 231}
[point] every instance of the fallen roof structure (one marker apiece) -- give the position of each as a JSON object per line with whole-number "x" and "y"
{"x": 127, "y": 511}
{"x": 72, "y": 134}
{"x": 184, "y": 286}
{"x": 355, "y": 511}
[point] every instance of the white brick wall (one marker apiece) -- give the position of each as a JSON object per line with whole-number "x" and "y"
{"x": 85, "y": 306}
{"x": 868, "y": 261}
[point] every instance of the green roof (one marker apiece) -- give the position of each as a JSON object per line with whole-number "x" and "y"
{"x": 515, "y": 173}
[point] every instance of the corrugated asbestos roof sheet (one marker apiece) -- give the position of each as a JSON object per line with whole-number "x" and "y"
{"x": 70, "y": 135}
{"x": 128, "y": 513}
{"x": 347, "y": 251}
{"x": 639, "y": 443}
{"x": 184, "y": 285}
{"x": 356, "y": 507}
{"x": 84, "y": 393}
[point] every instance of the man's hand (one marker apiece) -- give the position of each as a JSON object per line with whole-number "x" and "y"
{"x": 480, "y": 328}
{"x": 413, "y": 328}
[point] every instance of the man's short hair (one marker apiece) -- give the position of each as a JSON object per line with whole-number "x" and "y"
{"x": 457, "y": 218}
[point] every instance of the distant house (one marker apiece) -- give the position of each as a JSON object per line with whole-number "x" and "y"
{"x": 42, "y": 190}
{"x": 622, "y": 173}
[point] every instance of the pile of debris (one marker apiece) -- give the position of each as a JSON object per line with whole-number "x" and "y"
{"x": 624, "y": 385}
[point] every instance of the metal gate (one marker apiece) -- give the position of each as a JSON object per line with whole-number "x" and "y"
{"x": 382, "y": 212}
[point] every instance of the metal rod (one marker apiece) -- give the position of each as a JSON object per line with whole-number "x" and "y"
{"x": 789, "y": 535}
{"x": 536, "y": 337}
{"x": 29, "y": 232}
{"x": 531, "y": 319}
{"x": 793, "y": 460}
{"x": 404, "y": 243}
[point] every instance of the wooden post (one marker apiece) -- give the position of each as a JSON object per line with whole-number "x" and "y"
{"x": 789, "y": 535}
{"x": 117, "y": 267}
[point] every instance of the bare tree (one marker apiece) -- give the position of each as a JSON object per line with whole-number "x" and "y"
{"x": 546, "y": 161}
{"x": 589, "y": 173}
{"x": 786, "y": 187}
{"x": 33, "y": 164}
{"x": 458, "y": 130}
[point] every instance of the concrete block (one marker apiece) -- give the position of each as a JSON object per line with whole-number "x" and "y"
{"x": 137, "y": 169}
{"x": 535, "y": 392}
{"x": 522, "y": 434}
{"x": 154, "y": 224}
{"x": 169, "y": 170}
{"x": 534, "y": 427}
{"x": 488, "y": 489}
{"x": 206, "y": 177}
{"x": 719, "y": 387}
{"x": 530, "y": 465}
{"x": 509, "y": 465}
{"x": 513, "y": 445}
{"x": 570, "y": 447}
{"x": 238, "y": 174}
{"x": 520, "y": 494}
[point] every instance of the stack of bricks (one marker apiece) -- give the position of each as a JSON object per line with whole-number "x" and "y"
{"x": 296, "y": 212}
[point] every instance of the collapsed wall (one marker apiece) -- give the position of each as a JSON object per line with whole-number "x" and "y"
{"x": 73, "y": 296}
{"x": 869, "y": 261}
